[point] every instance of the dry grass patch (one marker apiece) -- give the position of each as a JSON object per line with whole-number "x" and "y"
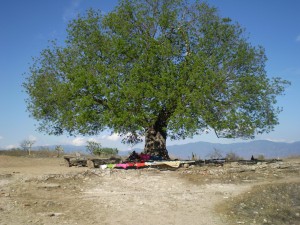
{"x": 43, "y": 153}
{"x": 277, "y": 203}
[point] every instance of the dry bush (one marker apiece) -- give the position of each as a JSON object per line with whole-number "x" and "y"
{"x": 267, "y": 204}
{"x": 44, "y": 153}
{"x": 232, "y": 156}
{"x": 41, "y": 153}
{"x": 195, "y": 156}
{"x": 260, "y": 157}
{"x": 14, "y": 152}
{"x": 215, "y": 154}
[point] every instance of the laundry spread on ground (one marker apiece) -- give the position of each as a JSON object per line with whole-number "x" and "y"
{"x": 134, "y": 161}
{"x": 137, "y": 165}
{"x": 142, "y": 160}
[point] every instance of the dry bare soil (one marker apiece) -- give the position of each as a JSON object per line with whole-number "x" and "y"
{"x": 44, "y": 191}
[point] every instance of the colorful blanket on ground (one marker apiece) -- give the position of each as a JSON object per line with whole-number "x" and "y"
{"x": 173, "y": 164}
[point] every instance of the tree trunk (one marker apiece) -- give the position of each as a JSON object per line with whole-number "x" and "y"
{"x": 155, "y": 140}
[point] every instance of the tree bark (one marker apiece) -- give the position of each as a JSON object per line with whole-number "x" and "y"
{"x": 155, "y": 139}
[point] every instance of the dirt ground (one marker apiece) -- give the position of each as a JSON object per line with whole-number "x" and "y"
{"x": 44, "y": 191}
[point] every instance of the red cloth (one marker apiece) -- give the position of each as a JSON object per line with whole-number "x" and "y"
{"x": 140, "y": 164}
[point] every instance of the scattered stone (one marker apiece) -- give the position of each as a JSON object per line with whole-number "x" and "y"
{"x": 284, "y": 166}
{"x": 243, "y": 205}
{"x": 186, "y": 165}
{"x": 49, "y": 186}
{"x": 54, "y": 214}
{"x": 234, "y": 164}
{"x": 5, "y": 175}
{"x": 49, "y": 204}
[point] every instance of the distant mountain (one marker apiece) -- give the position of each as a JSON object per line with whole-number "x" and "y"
{"x": 67, "y": 148}
{"x": 204, "y": 149}
{"x": 81, "y": 149}
{"x": 244, "y": 149}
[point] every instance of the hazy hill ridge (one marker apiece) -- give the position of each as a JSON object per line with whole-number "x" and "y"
{"x": 203, "y": 149}
{"x": 244, "y": 149}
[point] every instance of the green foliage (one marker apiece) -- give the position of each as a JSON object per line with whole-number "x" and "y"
{"x": 171, "y": 65}
{"x": 109, "y": 151}
{"x": 59, "y": 149}
{"x": 95, "y": 148}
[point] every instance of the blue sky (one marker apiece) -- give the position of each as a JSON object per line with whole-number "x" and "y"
{"x": 27, "y": 26}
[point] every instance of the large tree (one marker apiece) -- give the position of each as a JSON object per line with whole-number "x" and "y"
{"x": 154, "y": 68}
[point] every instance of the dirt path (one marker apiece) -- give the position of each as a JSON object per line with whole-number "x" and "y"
{"x": 41, "y": 191}
{"x": 155, "y": 197}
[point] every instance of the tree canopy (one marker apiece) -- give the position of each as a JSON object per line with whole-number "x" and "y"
{"x": 172, "y": 66}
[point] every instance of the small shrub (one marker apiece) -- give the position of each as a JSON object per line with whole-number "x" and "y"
{"x": 260, "y": 157}
{"x": 14, "y": 152}
{"x": 59, "y": 149}
{"x": 216, "y": 154}
{"x": 26, "y": 145}
{"x": 43, "y": 152}
{"x": 232, "y": 156}
{"x": 109, "y": 151}
{"x": 95, "y": 148}
{"x": 195, "y": 157}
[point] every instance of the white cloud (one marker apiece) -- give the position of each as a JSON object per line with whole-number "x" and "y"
{"x": 104, "y": 140}
{"x": 32, "y": 138}
{"x": 11, "y": 146}
{"x": 279, "y": 140}
{"x": 71, "y": 11}
{"x": 113, "y": 137}
{"x": 82, "y": 141}
{"x": 298, "y": 38}
{"x": 79, "y": 141}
